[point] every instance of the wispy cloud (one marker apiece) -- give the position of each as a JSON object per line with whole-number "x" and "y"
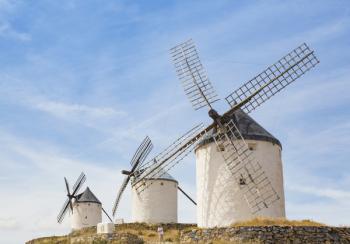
{"x": 7, "y": 31}
{"x": 48, "y": 163}
{"x": 83, "y": 83}
{"x": 76, "y": 111}
{"x": 334, "y": 194}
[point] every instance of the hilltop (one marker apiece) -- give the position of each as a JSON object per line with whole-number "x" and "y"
{"x": 253, "y": 231}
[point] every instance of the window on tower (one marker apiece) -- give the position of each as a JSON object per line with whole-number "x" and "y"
{"x": 221, "y": 147}
{"x": 252, "y": 146}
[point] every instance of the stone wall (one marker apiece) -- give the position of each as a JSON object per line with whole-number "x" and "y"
{"x": 268, "y": 234}
{"x": 137, "y": 233}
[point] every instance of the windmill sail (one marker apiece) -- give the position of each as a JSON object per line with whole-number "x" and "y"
{"x": 78, "y": 184}
{"x": 142, "y": 152}
{"x": 63, "y": 211}
{"x": 68, "y": 203}
{"x": 249, "y": 175}
{"x": 119, "y": 195}
{"x": 68, "y": 193}
{"x": 171, "y": 156}
{"x": 256, "y": 187}
{"x": 136, "y": 162}
{"x": 192, "y": 75}
{"x": 276, "y": 77}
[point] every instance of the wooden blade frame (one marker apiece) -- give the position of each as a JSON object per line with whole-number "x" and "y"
{"x": 78, "y": 184}
{"x": 272, "y": 80}
{"x": 110, "y": 219}
{"x": 68, "y": 203}
{"x": 63, "y": 211}
{"x": 171, "y": 156}
{"x": 68, "y": 193}
{"x": 119, "y": 195}
{"x": 248, "y": 173}
{"x": 136, "y": 162}
{"x": 192, "y": 75}
{"x": 142, "y": 152}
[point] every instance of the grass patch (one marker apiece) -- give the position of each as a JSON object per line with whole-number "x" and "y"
{"x": 262, "y": 221}
{"x": 50, "y": 240}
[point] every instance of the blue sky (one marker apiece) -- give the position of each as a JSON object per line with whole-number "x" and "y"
{"x": 82, "y": 83}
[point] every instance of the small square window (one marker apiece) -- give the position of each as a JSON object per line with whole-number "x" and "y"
{"x": 220, "y": 148}
{"x": 252, "y": 146}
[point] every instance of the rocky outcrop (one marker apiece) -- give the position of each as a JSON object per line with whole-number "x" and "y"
{"x": 268, "y": 234}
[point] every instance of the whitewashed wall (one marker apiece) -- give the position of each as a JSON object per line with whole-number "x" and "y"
{"x": 219, "y": 201}
{"x": 86, "y": 214}
{"x": 157, "y": 204}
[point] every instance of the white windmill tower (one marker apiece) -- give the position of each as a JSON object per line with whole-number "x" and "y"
{"x": 217, "y": 187}
{"x": 158, "y": 202}
{"x": 239, "y": 169}
{"x": 86, "y": 209}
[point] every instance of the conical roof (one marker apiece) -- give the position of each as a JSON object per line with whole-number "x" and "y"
{"x": 87, "y": 196}
{"x": 164, "y": 176}
{"x": 160, "y": 175}
{"x": 249, "y": 128}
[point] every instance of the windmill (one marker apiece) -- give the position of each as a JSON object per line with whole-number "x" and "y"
{"x": 86, "y": 209}
{"x": 159, "y": 203}
{"x": 250, "y": 177}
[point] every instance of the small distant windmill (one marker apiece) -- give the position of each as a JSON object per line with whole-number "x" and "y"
{"x": 159, "y": 203}
{"x": 86, "y": 209}
{"x": 250, "y": 177}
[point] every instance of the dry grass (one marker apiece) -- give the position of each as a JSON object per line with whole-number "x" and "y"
{"x": 152, "y": 235}
{"x": 276, "y": 221}
{"x": 149, "y": 233}
{"x": 171, "y": 232}
{"x": 50, "y": 240}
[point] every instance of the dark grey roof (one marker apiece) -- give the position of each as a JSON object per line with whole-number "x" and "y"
{"x": 87, "y": 196}
{"x": 249, "y": 128}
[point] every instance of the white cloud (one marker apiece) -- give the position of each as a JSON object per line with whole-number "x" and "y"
{"x": 39, "y": 192}
{"x": 32, "y": 171}
{"x": 7, "y": 31}
{"x": 69, "y": 111}
{"x": 335, "y": 194}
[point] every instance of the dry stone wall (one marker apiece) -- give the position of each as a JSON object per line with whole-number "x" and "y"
{"x": 268, "y": 234}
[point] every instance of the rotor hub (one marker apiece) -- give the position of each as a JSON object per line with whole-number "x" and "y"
{"x": 214, "y": 115}
{"x": 126, "y": 172}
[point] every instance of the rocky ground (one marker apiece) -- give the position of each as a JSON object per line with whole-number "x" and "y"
{"x": 257, "y": 232}
{"x": 124, "y": 233}
{"x": 268, "y": 234}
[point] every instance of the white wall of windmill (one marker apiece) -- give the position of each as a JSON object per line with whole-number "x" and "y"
{"x": 86, "y": 214}
{"x": 219, "y": 200}
{"x": 157, "y": 203}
